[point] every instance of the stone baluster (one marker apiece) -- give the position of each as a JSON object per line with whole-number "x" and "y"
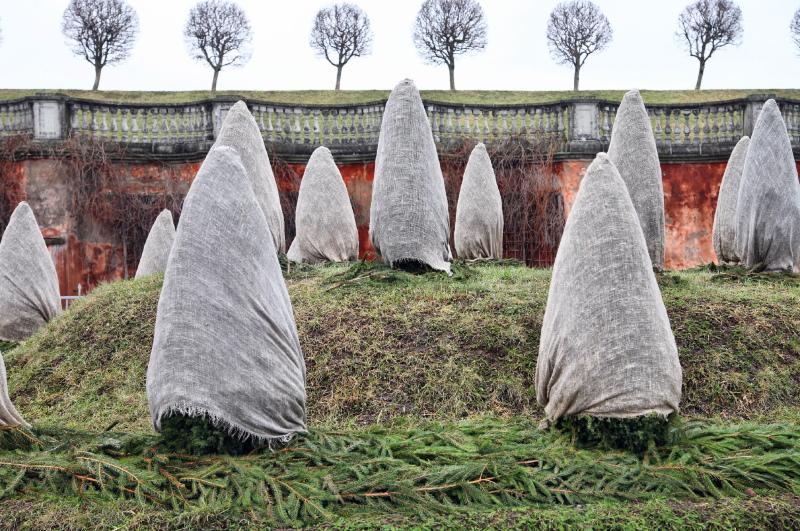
{"x": 95, "y": 126}
{"x": 74, "y": 117}
{"x": 656, "y": 121}
{"x": 165, "y": 126}
{"x": 190, "y": 121}
{"x": 155, "y": 126}
{"x": 124, "y": 117}
{"x": 306, "y": 132}
{"x": 113, "y": 116}
{"x": 270, "y": 127}
{"x": 714, "y": 120}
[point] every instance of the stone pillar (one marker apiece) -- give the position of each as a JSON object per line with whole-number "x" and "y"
{"x": 584, "y": 132}
{"x": 755, "y": 102}
{"x": 219, "y": 112}
{"x": 49, "y": 119}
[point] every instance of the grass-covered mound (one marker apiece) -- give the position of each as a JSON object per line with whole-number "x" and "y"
{"x": 380, "y": 343}
{"x": 410, "y": 470}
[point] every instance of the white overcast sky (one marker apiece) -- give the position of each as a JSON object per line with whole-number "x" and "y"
{"x": 643, "y": 54}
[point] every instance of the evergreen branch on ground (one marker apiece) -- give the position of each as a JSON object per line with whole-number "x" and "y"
{"x": 418, "y": 469}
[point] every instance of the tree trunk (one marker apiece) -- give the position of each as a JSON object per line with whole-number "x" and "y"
{"x": 700, "y": 75}
{"x": 576, "y": 78}
{"x": 214, "y": 81}
{"x": 97, "y": 70}
{"x": 452, "y": 68}
{"x": 338, "y": 76}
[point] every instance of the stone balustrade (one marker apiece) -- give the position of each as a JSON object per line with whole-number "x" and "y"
{"x": 580, "y": 128}
{"x": 16, "y": 117}
{"x": 141, "y": 124}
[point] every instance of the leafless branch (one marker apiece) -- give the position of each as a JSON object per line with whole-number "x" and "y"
{"x": 218, "y": 32}
{"x": 706, "y": 26}
{"x": 447, "y": 28}
{"x": 340, "y": 33}
{"x": 100, "y": 31}
{"x": 794, "y": 28}
{"x": 576, "y": 30}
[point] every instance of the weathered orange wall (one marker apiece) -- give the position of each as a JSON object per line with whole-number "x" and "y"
{"x": 86, "y": 255}
{"x": 690, "y": 200}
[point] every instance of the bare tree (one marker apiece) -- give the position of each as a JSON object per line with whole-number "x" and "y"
{"x": 218, "y": 32}
{"x": 447, "y": 28}
{"x": 794, "y": 28}
{"x": 575, "y": 31}
{"x": 100, "y": 31}
{"x": 340, "y": 33}
{"x": 706, "y": 26}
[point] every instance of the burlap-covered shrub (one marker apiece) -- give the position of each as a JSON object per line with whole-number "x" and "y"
{"x": 325, "y": 224}
{"x": 768, "y": 208}
{"x": 409, "y": 221}
{"x": 240, "y": 132}
{"x": 633, "y": 151}
{"x": 9, "y": 416}
{"x": 157, "y": 246}
{"x": 724, "y": 232}
{"x": 606, "y": 347}
{"x": 226, "y": 344}
{"x": 479, "y": 212}
{"x": 29, "y": 293}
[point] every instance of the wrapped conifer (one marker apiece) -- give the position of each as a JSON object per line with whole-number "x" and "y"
{"x": 768, "y": 207}
{"x": 606, "y": 347}
{"x": 157, "y": 246}
{"x": 724, "y": 232}
{"x": 240, "y": 132}
{"x": 325, "y": 224}
{"x": 479, "y": 212}
{"x": 409, "y": 221}
{"x": 29, "y": 292}
{"x": 633, "y": 151}
{"x": 226, "y": 346}
{"x": 9, "y": 416}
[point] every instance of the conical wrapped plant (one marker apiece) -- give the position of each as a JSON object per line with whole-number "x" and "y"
{"x": 724, "y": 232}
{"x": 409, "y": 220}
{"x": 9, "y": 416}
{"x": 157, "y": 246}
{"x": 226, "y": 346}
{"x": 240, "y": 132}
{"x": 606, "y": 347}
{"x": 479, "y": 212}
{"x": 768, "y": 206}
{"x": 633, "y": 151}
{"x": 325, "y": 224}
{"x": 29, "y": 292}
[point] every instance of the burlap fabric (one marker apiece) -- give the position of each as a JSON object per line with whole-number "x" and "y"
{"x": 606, "y": 347}
{"x": 240, "y": 132}
{"x": 325, "y": 224}
{"x": 157, "y": 246}
{"x": 9, "y": 416}
{"x": 768, "y": 208}
{"x": 479, "y": 212}
{"x": 226, "y": 343}
{"x": 409, "y": 221}
{"x": 724, "y": 233}
{"x": 633, "y": 152}
{"x": 29, "y": 292}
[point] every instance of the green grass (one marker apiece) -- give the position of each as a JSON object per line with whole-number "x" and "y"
{"x": 421, "y": 414}
{"x": 474, "y": 97}
{"x": 380, "y": 344}
{"x": 762, "y": 512}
